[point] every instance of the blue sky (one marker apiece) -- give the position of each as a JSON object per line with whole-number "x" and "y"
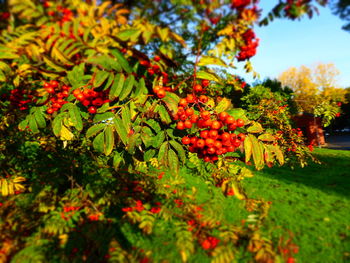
{"x": 285, "y": 43}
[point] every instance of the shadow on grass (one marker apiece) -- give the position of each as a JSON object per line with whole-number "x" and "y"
{"x": 332, "y": 176}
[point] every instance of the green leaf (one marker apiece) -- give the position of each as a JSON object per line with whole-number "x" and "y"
{"x": 279, "y": 155}
{"x": 266, "y": 137}
{"x": 100, "y": 77}
{"x": 154, "y": 125}
{"x": 74, "y": 114}
{"x": 109, "y": 140}
{"x": 255, "y": 128}
{"x": 127, "y": 34}
{"x": 149, "y": 155}
{"x": 127, "y": 88}
{"x": 223, "y": 105}
{"x": 66, "y": 134}
{"x": 163, "y": 113}
{"x": 163, "y": 153}
{"x": 117, "y": 86}
{"x": 23, "y": 124}
{"x": 117, "y": 160}
{"x": 93, "y": 130}
{"x": 238, "y": 113}
{"x": 75, "y": 76}
{"x": 121, "y": 59}
{"x": 248, "y": 148}
{"x": 207, "y": 75}
{"x": 32, "y": 124}
{"x": 180, "y": 150}
{"x": 39, "y": 117}
{"x": 173, "y": 161}
{"x": 103, "y": 116}
{"x": 121, "y": 130}
{"x": 209, "y": 60}
{"x": 158, "y": 139}
{"x": 132, "y": 141}
{"x": 171, "y": 101}
{"x": 98, "y": 142}
{"x": 57, "y": 125}
{"x": 257, "y": 149}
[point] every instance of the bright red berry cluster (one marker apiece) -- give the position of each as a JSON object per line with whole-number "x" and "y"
{"x": 240, "y": 4}
{"x": 210, "y": 243}
{"x": 214, "y": 136}
{"x": 248, "y": 50}
{"x": 20, "y": 99}
{"x": 91, "y": 98}
{"x": 57, "y": 94}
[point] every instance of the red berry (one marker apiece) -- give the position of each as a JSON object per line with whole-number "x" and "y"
{"x": 188, "y": 124}
{"x": 180, "y": 125}
{"x": 213, "y": 134}
{"x": 205, "y": 82}
{"x": 215, "y": 125}
{"x": 223, "y": 115}
{"x": 240, "y": 123}
{"x": 54, "y": 83}
{"x": 183, "y": 102}
{"x": 189, "y": 112}
{"x": 185, "y": 140}
{"x": 205, "y": 115}
{"x": 161, "y": 93}
{"x": 157, "y": 58}
{"x": 198, "y": 88}
{"x": 229, "y": 120}
{"x": 92, "y": 109}
{"x": 200, "y": 143}
{"x": 203, "y": 98}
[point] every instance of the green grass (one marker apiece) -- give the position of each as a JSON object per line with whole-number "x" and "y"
{"x": 312, "y": 202}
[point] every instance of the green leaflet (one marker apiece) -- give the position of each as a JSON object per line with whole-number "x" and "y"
{"x": 74, "y": 114}
{"x": 248, "y": 148}
{"x": 163, "y": 153}
{"x": 93, "y": 130}
{"x": 127, "y": 87}
{"x": 100, "y": 77}
{"x": 98, "y": 142}
{"x": 173, "y": 161}
{"x": 117, "y": 86}
{"x": 121, "y": 59}
{"x": 121, "y": 130}
{"x": 209, "y": 60}
{"x": 108, "y": 140}
{"x": 255, "y": 128}
{"x": 180, "y": 150}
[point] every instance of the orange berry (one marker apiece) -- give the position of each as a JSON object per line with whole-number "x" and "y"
{"x": 188, "y": 124}
{"x": 185, "y": 140}
{"x": 189, "y": 112}
{"x": 161, "y": 93}
{"x": 203, "y": 98}
{"x": 180, "y": 125}
{"x": 223, "y": 115}
{"x": 198, "y": 88}
{"x": 183, "y": 102}
{"x": 240, "y": 123}
{"x": 205, "y": 115}
{"x": 229, "y": 120}
{"x": 216, "y": 125}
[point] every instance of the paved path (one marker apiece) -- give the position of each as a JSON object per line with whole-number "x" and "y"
{"x": 339, "y": 142}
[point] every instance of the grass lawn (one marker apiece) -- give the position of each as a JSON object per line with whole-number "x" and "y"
{"x": 312, "y": 202}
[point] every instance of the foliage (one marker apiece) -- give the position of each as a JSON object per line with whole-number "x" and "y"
{"x": 272, "y": 111}
{"x": 98, "y": 104}
{"x": 316, "y": 90}
{"x": 342, "y": 9}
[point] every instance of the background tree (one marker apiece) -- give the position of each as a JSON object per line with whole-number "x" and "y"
{"x": 342, "y": 9}
{"x": 315, "y": 89}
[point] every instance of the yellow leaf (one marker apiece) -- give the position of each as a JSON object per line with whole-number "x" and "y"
{"x": 66, "y": 134}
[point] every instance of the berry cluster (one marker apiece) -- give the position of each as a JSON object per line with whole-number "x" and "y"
{"x": 214, "y": 129}
{"x": 20, "y": 99}
{"x": 240, "y": 4}
{"x": 4, "y": 15}
{"x": 91, "y": 98}
{"x": 57, "y": 94}
{"x": 250, "y": 44}
{"x": 68, "y": 212}
{"x": 64, "y": 14}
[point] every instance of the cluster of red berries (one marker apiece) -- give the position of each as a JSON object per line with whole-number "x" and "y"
{"x": 20, "y": 99}
{"x": 57, "y": 93}
{"x": 250, "y": 44}
{"x": 214, "y": 137}
{"x": 139, "y": 207}
{"x": 240, "y": 4}
{"x": 65, "y": 14}
{"x": 68, "y": 211}
{"x": 94, "y": 217}
{"x": 210, "y": 243}
{"x": 91, "y": 98}
{"x": 4, "y": 15}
